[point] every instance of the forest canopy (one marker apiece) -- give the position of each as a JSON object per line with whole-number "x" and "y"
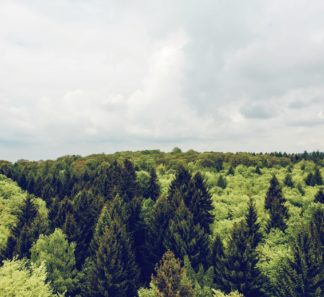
{"x": 150, "y": 223}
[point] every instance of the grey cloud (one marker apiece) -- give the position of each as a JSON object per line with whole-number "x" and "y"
{"x": 92, "y": 76}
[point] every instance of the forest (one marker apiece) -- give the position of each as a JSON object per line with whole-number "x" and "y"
{"x": 157, "y": 224}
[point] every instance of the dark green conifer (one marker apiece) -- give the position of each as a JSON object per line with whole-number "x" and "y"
{"x": 319, "y": 197}
{"x": 303, "y": 275}
{"x": 288, "y": 181}
{"x": 253, "y": 227}
{"x": 217, "y": 261}
{"x": 153, "y": 189}
{"x": 221, "y": 182}
{"x": 230, "y": 171}
{"x": 258, "y": 170}
{"x": 240, "y": 271}
{"x": 183, "y": 237}
{"x": 200, "y": 203}
{"x": 115, "y": 271}
{"x": 24, "y": 233}
{"x": 86, "y": 212}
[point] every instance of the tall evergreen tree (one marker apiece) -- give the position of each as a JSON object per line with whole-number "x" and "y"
{"x": 221, "y": 182}
{"x": 181, "y": 183}
{"x": 129, "y": 186}
{"x": 153, "y": 189}
{"x": 200, "y": 203}
{"x": 24, "y": 233}
{"x": 253, "y": 227}
{"x": 171, "y": 279}
{"x": 230, "y": 171}
{"x": 115, "y": 271}
{"x": 217, "y": 261}
{"x": 303, "y": 275}
{"x": 86, "y": 212}
{"x": 240, "y": 270}
{"x": 319, "y": 197}
{"x": 275, "y": 203}
{"x": 183, "y": 237}
{"x": 288, "y": 181}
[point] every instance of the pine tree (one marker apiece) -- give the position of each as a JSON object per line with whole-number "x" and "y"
{"x": 153, "y": 189}
{"x": 231, "y": 171}
{"x": 200, "y": 203}
{"x": 303, "y": 275}
{"x": 310, "y": 181}
{"x": 318, "y": 180}
{"x": 129, "y": 186}
{"x": 24, "y": 233}
{"x": 86, "y": 212}
{"x": 258, "y": 170}
{"x": 288, "y": 181}
{"x": 171, "y": 279}
{"x": 221, "y": 182}
{"x": 115, "y": 271}
{"x": 319, "y": 197}
{"x": 183, "y": 237}
{"x": 181, "y": 183}
{"x": 275, "y": 203}
{"x": 217, "y": 261}
{"x": 253, "y": 227}
{"x": 240, "y": 271}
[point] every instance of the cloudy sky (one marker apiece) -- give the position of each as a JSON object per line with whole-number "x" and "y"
{"x": 91, "y": 76}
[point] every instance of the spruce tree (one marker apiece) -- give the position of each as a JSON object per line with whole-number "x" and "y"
{"x": 275, "y": 203}
{"x": 171, "y": 279}
{"x": 183, "y": 237}
{"x": 181, "y": 183}
{"x": 318, "y": 180}
{"x": 24, "y": 233}
{"x": 221, "y": 182}
{"x": 200, "y": 203}
{"x": 303, "y": 275}
{"x": 230, "y": 171}
{"x": 86, "y": 212}
{"x": 129, "y": 186}
{"x": 115, "y": 270}
{"x": 153, "y": 189}
{"x": 258, "y": 170}
{"x": 240, "y": 271}
{"x": 288, "y": 181}
{"x": 253, "y": 227}
{"x": 217, "y": 261}
{"x": 319, "y": 197}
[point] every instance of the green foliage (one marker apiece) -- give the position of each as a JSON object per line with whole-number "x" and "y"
{"x": 115, "y": 271}
{"x": 171, "y": 279}
{"x": 58, "y": 256}
{"x": 17, "y": 278}
{"x": 221, "y": 182}
{"x": 302, "y": 275}
{"x": 218, "y": 293}
{"x": 319, "y": 197}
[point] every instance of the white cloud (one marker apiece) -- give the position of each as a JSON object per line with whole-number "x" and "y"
{"x": 92, "y": 76}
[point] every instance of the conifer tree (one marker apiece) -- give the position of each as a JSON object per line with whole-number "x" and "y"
{"x": 153, "y": 189}
{"x": 319, "y": 197}
{"x": 115, "y": 270}
{"x": 171, "y": 279}
{"x": 318, "y": 180}
{"x": 180, "y": 183}
{"x": 24, "y": 233}
{"x": 303, "y": 275}
{"x": 231, "y": 171}
{"x": 240, "y": 270}
{"x": 275, "y": 203}
{"x": 258, "y": 170}
{"x": 200, "y": 203}
{"x": 253, "y": 227}
{"x": 86, "y": 212}
{"x": 217, "y": 261}
{"x": 183, "y": 237}
{"x": 288, "y": 181}
{"x": 129, "y": 186}
{"x": 221, "y": 182}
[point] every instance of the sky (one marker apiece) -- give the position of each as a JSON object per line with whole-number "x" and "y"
{"x": 94, "y": 76}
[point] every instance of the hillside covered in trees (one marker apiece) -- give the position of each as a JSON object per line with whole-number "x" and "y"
{"x": 155, "y": 224}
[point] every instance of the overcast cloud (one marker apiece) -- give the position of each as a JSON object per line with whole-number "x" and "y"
{"x": 91, "y": 76}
